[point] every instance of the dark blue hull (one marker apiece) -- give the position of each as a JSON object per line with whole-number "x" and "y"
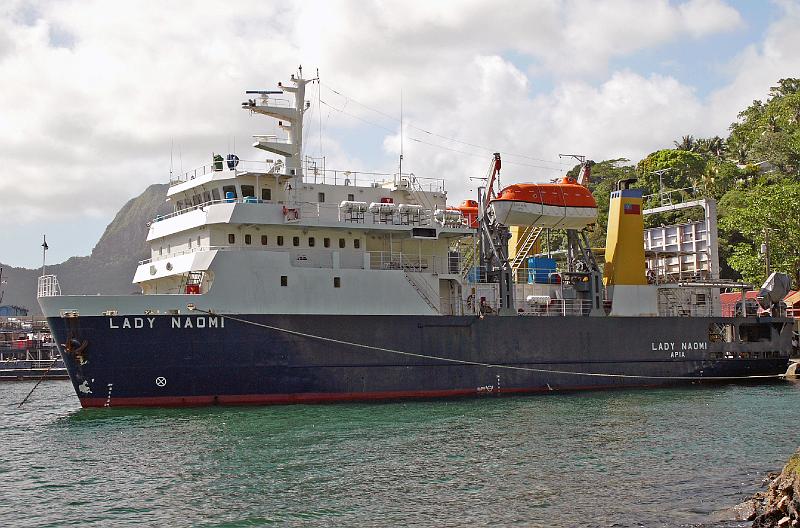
{"x": 203, "y": 359}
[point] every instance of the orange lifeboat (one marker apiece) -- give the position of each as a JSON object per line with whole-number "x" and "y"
{"x": 469, "y": 211}
{"x": 564, "y": 205}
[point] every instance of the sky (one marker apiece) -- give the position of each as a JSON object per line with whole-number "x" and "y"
{"x": 98, "y": 97}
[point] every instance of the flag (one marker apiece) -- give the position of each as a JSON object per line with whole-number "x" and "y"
{"x": 630, "y": 208}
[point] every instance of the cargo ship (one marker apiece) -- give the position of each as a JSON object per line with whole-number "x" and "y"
{"x": 279, "y": 281}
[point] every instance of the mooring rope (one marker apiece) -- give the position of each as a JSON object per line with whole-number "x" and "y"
{"x": 480, "y": 364}
{"x": 38, "y": 382}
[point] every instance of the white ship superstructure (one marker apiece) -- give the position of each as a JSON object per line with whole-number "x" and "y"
{"x": 287, "y": 237}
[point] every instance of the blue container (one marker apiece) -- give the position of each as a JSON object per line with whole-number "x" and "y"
{"x": 229, "y": 197}
{"x": 540, "y": 269}
{"x": 474, "y": 274}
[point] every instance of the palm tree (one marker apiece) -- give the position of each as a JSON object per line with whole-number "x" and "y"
{"x": 716, "y": 146}
{"x": 686, "y": 143}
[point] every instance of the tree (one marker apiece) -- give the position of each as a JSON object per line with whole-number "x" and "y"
{"x": 746, "y": 216}
{"x": 686, "y": 143}
{"x": 770, "y": 132}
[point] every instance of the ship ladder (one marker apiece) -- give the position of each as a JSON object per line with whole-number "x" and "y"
{"x": 529, "y": 237}
{"x": 421, "y": 290}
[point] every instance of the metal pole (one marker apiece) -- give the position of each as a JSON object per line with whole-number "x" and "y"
{"x": 44, "y": 252}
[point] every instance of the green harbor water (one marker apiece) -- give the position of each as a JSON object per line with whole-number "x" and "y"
{"x": 671, "y": 457}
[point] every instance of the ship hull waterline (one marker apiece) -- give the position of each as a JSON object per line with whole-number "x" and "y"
{"x": 192, "y": 360}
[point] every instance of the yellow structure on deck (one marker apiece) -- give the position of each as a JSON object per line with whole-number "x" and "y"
{"x": 624, "y": 259}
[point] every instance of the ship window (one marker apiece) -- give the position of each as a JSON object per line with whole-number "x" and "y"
{"x": 357, "y": 243}
{"x": 179, "y": 205}
{"x": 161, "y": 250}
{"x": 263, "y": 240}
{"x": 248, "y": 239}
{"x": 190, "y": 243}
{"x": 284, "y": 280}
{"x": 280, "y": 240}
{"x": 326, "y": 242}
{"x": 206, "y": 196}
{"x": 231, "y": 238}
{"x": 701, "y": 299}
{"x": 196, "y": 199}
{"x": 311, "y": 241}
{"x": 198, "y": 240}
{"x": 351, "y": 197}
{"x": 337, "y": 282}
{"x": 321, "y": 197}
{"x": 229, "y": 189}
{"x": 266, "y": 194}
{"x": 215, "y": 193}
{"x": 248, "y": 190}
{"x": 341, "y": 243}
{"x": 295, "y": 241}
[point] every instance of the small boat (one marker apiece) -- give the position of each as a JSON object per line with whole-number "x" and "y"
{"x": 564, "y": 205}
{"x": 469, "y": 212}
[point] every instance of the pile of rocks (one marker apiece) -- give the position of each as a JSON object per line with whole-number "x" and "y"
{"x": 779, "y": 505}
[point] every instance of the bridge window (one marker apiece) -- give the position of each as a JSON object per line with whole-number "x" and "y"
{"x": 266, "y": 194}
{"x": 248, "y": 239}
{"x": 215, "y": 193}
{"x": 231, "y": 238}
{"x": 206, "y": 196}
{"x": 295, "y": 241}
{"x": 196, "y": 199}
{"x": 248, "y": 190}
{"x": 229, "y": 189}
{"x": 179, "y": 205}
{"x": 326, "y": 242}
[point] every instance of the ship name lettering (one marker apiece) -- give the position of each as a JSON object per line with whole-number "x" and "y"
{"x": 199, "y": 322}
{"x": 662, "y": 346}
{"x": 138, "y": 322}
{"x": 694, "y": 345}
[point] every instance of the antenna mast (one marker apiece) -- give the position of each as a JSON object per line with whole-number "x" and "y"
{"x": 401, "y": 134}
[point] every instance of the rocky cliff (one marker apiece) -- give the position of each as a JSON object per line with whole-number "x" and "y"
{"x": 110, "y": 267}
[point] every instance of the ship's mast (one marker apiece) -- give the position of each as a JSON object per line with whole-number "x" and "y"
{"x": 290, "y": 119}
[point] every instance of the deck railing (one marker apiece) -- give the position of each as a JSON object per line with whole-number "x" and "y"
{"x": 48, "y": 286}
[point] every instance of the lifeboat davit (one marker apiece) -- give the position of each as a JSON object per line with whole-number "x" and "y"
{"x": 564, "y": 205}
{"x": 469, "y": 212}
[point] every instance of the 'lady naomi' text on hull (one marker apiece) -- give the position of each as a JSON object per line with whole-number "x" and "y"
{"x": 211, "y": 321}
{"x": 670, "y": 346}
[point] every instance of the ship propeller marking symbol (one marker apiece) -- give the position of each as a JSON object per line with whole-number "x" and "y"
{"x": 161, "y": 381}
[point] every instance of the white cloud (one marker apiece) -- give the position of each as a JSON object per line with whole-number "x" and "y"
{"x": 95, "y": 93}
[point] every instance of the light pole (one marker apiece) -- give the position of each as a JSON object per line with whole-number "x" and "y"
{"x": 765, "y": 250}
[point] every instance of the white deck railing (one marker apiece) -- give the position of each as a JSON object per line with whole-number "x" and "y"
{"x": 48, "y": 286}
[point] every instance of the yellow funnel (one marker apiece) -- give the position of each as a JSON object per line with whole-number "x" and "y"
{"x": 625, "y": 239}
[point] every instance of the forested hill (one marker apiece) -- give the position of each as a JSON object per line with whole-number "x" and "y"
{"x": 110, "y": 267}
{"x": 754, "y": 174}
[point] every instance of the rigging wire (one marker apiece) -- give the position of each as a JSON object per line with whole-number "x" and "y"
{"x": 466, "y": 143}
{"x": 479, "y": 363}
{"x": 417, "y": 140}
